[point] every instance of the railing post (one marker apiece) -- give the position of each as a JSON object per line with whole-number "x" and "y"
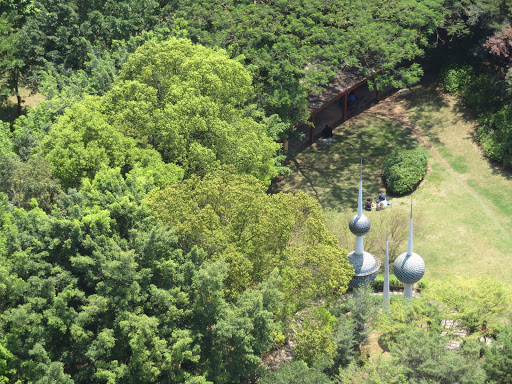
{"x": 312, "y": 130}
{"x": 345, "y": 105}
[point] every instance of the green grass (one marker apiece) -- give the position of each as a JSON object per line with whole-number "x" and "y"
{"x": 331, "y": 173}
{"x": 462, "y": 209}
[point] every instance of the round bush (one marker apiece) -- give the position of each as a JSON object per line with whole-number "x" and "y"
{"x": 403, "y": 170}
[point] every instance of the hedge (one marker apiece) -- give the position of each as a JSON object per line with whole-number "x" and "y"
{"x": 403, "y": 170}
{"x": 487, "y": 96}
{"x": 394, "y": 283}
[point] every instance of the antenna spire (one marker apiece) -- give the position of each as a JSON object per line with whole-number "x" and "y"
{"x": 360, "y": 198}
{"x": 386, "y": 297}
{"x": 409, "y": 247}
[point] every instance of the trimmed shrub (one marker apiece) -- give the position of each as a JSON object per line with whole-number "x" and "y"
{"x": 394, "y": 283}
{"x": 403, "y": 170}
{"x": 456, "y": 79}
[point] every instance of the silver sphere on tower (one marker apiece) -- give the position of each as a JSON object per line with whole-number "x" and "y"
{"x": 365, "y": 267}
{"x": 409, "y": 267}
{"x": 359, "y": 225}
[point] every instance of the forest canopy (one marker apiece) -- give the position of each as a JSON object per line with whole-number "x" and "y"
{"x": 138, "y": 240}
{"x": 101, "y": 284}
{"x": 291, "y": 48}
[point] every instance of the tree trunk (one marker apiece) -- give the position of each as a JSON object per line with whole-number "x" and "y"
{"x": 18, "y": 97}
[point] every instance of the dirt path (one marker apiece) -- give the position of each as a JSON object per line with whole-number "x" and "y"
{"x": 393, "y": 108}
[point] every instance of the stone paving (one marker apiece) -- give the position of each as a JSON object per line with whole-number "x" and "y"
{"x": 451, "y": 329}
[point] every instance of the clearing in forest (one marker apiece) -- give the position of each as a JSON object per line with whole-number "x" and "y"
{"x": 464, "y": 205}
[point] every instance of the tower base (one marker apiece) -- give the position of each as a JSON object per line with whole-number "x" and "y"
{"x": 407, "y": 291}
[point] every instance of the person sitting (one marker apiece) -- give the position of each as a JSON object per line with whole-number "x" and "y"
{"x": 351, "y": 98}
{"x": 381, "y": 197}
{"x": 327, "y": 133}
{"x": 368, "y": 205}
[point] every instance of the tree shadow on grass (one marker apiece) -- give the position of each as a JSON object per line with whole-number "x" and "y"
{"x": 467, "y": 115}
{"x": 497, "y": 168}
{"x": 9, "y": 111}
{"x": 423, "y": 102}
{"x": 425, "y": 97}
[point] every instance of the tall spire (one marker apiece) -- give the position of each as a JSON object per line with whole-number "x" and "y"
{"x": 365, "y": 265}
{"x": 409, "y": 244}
{"x": 409, "y": 267}
{"x": 360, "y": 197}
{"x": 386, "y": 274}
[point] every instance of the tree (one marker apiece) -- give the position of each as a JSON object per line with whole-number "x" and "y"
{"x": 231, "y": 216}
{"x": 295, "y": 373}
{"x": 403, "y": 317}
{"x": 82, "y": 143}
{"x": 474, "y": 301}
{"x": 375, "y": 371}
{"x": 425, "y": 359}
{"x": 500, "y": 43}
{"x": 294, "y": 48}
{"x": 11, "y": 62}
{"x": 31, "y": 180}
{"x": 99, "y": 291}
{"x": 123, "y": 301}
{"x": 187, "y": 102}
{"x": 356, "y": 319}
{"x": 498, "y": 358}
{"x": 313, "y": 340}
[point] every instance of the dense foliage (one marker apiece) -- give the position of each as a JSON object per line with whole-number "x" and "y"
{"x": 403, "y": 170}
{"x": 133, "y": 239}
{"x": 416, "y": 335}
{"x": 138, "y": 243}
{"x": 488, "y": 98}
{"x": 394, "y": 283}
{"x": 232, "y": 217}
{"x": 291, "y": 48}
{"x": 100, "y": 291}
{"x": 294, "y": 48}
{"x": 187, "y": 101}
{"x": 479, "y": 71}
{"x": 498, "y": 359}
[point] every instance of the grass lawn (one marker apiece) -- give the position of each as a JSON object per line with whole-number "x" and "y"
{"x": 462, "y": 209}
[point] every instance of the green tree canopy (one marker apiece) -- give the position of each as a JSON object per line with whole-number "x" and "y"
{"x": 187, "y": 102}
{"x": 473, "y": 302}
{"x": 231, "y": 217}
{"x": 424, "y": 358}
{"x": 294, "y": 47}
{"x": 100, "y": 292}
{"x": 82, "y": 143}
{"x": 498, "y": 358}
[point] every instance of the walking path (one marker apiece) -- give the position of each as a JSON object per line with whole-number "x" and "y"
{"x": 394, "y": 108}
